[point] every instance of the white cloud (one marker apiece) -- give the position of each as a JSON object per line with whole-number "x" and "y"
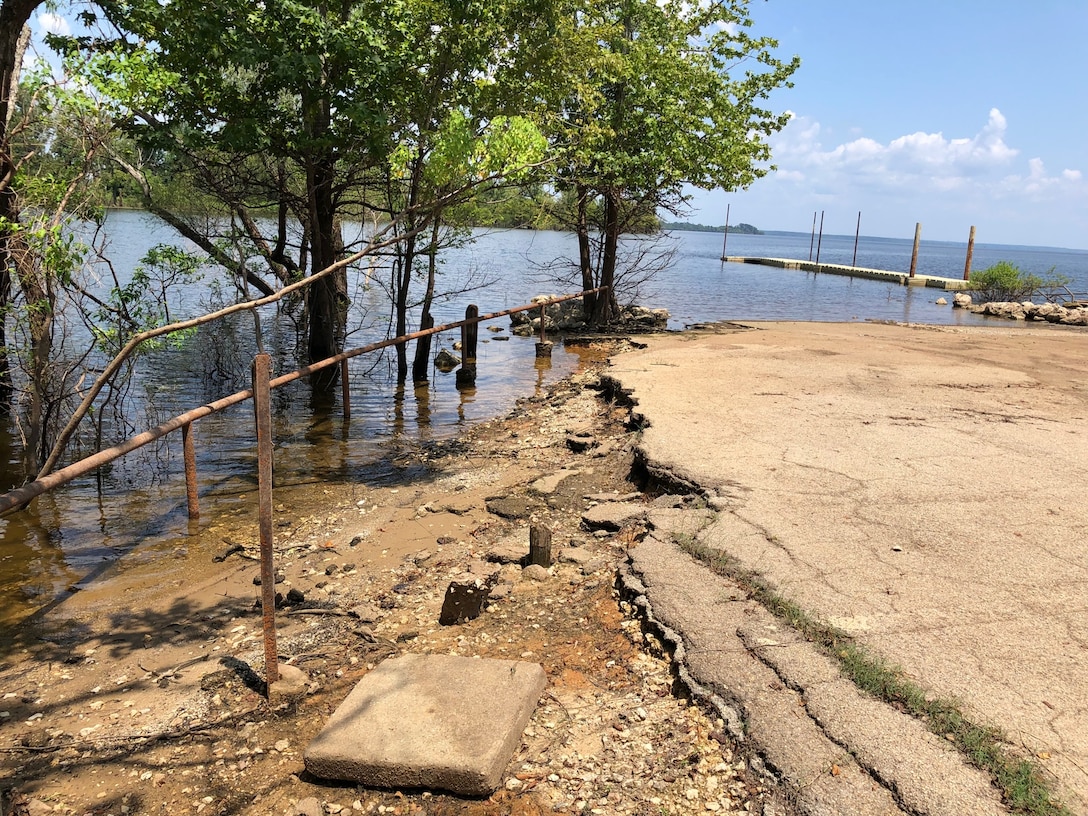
{"x": 53, "y": 24}
{"x": 981, "y": 165}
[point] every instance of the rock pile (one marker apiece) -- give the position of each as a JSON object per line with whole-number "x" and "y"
{"x": 569, "y": 316}
{"x": 1075, "y": 315}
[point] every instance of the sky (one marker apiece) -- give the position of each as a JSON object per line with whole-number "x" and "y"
{"x": 950, "y": 113}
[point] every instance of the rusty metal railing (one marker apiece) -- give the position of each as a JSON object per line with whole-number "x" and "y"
{"x": 21, "y": 496}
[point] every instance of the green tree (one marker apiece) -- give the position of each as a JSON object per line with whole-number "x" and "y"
{"x": 669, "y": 94}
{"x": 296, "y": 107}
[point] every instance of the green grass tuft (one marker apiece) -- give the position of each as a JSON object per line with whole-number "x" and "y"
{"x": 1024, "y": 789}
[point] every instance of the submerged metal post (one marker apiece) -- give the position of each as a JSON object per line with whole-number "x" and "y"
{"x": 262, "y": 411}
{"x": 970, "y": 252}
{"x": 821, "y": 240}
{"x": 857, "y": 234}
{"x": 914, "y": 253}
{"x": 812, "y": 240}
{"x": 192, "y": 500}
{"x": 725, "y": 240}
{"x": 346, "y": 388}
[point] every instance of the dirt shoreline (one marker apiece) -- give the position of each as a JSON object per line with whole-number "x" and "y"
{"x": 146, "y": 696}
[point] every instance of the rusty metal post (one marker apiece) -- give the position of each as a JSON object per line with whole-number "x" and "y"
{"x": 466, "y": 374}
{"x": 820, "y": 240}
{"x": 262, "y": 410}
{"x": 346, "y": 386}
{"x": 970, "y": 252}
{"x": 812, "y": 238}
{"x": 543, "y": 347}
{"x": 914, "y": 253}
{"x": 192, "y": 500}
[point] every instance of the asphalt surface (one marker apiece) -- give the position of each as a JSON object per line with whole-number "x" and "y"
{"x": 920, "y": 488}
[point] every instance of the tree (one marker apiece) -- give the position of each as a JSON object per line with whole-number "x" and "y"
{"x": 670, "y": 94}
{"x": 297, "y": 106}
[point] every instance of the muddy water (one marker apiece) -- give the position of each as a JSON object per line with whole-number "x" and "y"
{"x": 82, "y": 533}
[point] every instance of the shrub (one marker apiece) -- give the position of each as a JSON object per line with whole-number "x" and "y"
{"x": 1005, "y": 281}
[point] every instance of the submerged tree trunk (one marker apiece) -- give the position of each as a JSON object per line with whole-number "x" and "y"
{"x": 422, "y": 363}
{"x": 585, "y": 255}
{"x": 326, "y": 298}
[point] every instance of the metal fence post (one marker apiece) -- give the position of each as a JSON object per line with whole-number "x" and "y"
{"x": 262, "y": 409}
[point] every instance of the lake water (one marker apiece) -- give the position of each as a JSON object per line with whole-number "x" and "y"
{"x": 84, "y": 527}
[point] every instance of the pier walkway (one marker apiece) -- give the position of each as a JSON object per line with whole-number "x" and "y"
{"x": 901, "y": 278}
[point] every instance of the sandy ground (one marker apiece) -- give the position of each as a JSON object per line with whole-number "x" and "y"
{"x": 143, "y": 693}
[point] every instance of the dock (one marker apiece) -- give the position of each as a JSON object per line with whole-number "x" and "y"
{"x": 886, "y": 275}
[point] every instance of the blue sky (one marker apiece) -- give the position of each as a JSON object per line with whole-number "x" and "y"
{"x": 951, "y": 113}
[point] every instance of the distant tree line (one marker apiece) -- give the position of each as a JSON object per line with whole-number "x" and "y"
{"x": 742, "y": 229}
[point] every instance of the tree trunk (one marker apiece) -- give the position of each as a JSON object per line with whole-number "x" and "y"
{"x": 585, "y": 256}
{"x": 607, "y": 309}
{"x": 14, "y": 36}
{"x": 422, "y": 363}
{"x": 326, "y": 298}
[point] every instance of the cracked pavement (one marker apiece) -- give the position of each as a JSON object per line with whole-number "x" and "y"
{"x": 919, "y": 487}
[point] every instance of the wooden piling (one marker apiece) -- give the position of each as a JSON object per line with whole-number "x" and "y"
{"x": 914, "y": 253}
{"x": 466, "y": 374}
{"x": 540, "y": 546}
{"x": 192, "y": 499}
{"x": 262, "y": 410}
{"x": 970, "y": 252}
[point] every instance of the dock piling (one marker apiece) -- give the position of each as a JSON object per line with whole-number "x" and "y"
{"x": 970, "y": 252}
{"x": 914, "y": 253}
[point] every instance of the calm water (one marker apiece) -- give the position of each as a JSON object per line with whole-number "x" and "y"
{"x": 85, "y": 526}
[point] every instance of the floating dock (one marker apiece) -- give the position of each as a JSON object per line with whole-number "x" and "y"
{"x": 901, "y": 278}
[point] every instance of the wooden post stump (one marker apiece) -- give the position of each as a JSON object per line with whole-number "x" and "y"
{"x": 540, "y": 546}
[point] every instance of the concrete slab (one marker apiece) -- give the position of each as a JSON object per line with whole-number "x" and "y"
{"x": 429, "y": 721}
{"x": 921, "y": 488}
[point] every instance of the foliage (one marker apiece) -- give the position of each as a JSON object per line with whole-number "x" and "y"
{"x": 667, "y": 94}
{"x": 144, "y": 301}
{"x": 1006, "y": 282}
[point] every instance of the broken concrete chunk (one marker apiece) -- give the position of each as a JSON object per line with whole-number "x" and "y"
{"x": 429, "y": 721}
{"x": 465, "y": 598}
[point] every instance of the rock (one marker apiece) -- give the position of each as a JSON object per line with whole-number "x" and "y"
{"x": 581, "y": 441}
{"x": 464, "y": 600}
{"x": 596, "y": 565}
{"x": 292, "y": 683}
{"x": 961, "y": 300}
{"x": 612, "y": 516}
{"x": 446, "y": 361}
{"x": 512, "y": 507}
{"x": 36, "y": 807}
{"x": 575, "y": 555}
{"x": 309, "y": 806}
{"x": 295, "y": 596}
{"x": 507, "y": 553}
{"x": 535, "y": 572}
{"x": 365, "y": 613}
{"x": 942, "y": 301}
